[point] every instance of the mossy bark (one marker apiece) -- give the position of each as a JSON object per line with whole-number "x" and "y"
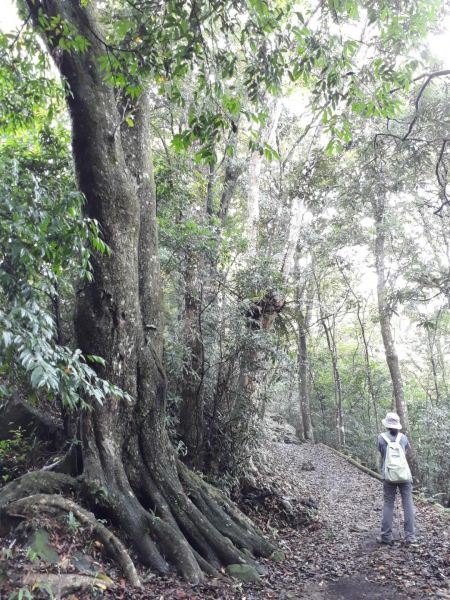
{"x": 126, "y": 452}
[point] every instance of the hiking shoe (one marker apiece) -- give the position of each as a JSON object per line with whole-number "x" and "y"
{"x": 384, "y": 542}
{"x": 413, "y": 542}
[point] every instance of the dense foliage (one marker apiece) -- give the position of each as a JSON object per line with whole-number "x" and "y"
{"x": 44, "y": 241}
{"x": 274, "y": 130}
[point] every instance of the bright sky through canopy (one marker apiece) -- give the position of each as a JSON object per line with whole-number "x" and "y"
{"x": 8, "y": 16}
{"x": 439, "y": 44}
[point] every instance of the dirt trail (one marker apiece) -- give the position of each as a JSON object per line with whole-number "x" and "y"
{"x": 336, "y": 557}
{"x": 341, "y": 560}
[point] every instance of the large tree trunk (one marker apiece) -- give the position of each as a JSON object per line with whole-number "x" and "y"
{"x": 126, "y": 452}
{"x": 385, "y": 311}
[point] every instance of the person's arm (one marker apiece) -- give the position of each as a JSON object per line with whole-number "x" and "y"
{"x": 381, "y": 443}
{"x": 382, "y": 451}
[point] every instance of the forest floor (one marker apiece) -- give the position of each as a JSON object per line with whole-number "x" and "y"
{"x": 334, "y": 557}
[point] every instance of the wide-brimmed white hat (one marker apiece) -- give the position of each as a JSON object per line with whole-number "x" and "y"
{"x": 392, "y": 421}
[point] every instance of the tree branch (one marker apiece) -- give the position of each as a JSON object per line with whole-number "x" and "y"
{"x": 425, "y": 84}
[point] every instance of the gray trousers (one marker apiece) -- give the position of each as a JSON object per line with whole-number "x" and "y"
{"x": 390, "y": 490}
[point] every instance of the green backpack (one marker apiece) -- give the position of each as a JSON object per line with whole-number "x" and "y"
{"x": 396, "y": 468}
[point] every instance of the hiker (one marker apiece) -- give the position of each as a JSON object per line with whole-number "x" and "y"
{"x": 396, "y": 473}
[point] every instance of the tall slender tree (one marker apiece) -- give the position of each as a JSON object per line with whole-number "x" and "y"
{"x": 385, "y": 309}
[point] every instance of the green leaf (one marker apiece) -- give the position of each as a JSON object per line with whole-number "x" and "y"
{"x": 37, "y": 376}
{"x": 40, "y": 545}
{"x": 96, "y": 359}
{"x": 7, "y": 338}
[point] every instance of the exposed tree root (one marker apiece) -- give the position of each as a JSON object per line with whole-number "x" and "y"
{"x": 185, "y": 536}
{"x": 180, "y": 522}
{"x": 142, "y": 512}
{"x": 223, "y": 513}
{"x": 207, "y": 531}
{"x": 209, "y": 564}
{"x": 37, "y": 482}
{"x": 171, "y": 516}
{"x": 63, "y": 584}
{"x": 112, "y": 544}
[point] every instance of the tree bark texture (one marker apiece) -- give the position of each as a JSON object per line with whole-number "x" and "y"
{"x": 191, "y": 427}
{"x": 385, "y": 311}
{"x": 170, "y": 517}
{"x": 254, "y": 180}
{"x": 303, "y": 322}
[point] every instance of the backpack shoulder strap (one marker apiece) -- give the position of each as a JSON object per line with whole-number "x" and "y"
{"x": 385, "y": 438}
{"x": 399, "y": 437}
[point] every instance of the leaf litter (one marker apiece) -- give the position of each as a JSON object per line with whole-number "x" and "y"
{"x": 322, "y": 514}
